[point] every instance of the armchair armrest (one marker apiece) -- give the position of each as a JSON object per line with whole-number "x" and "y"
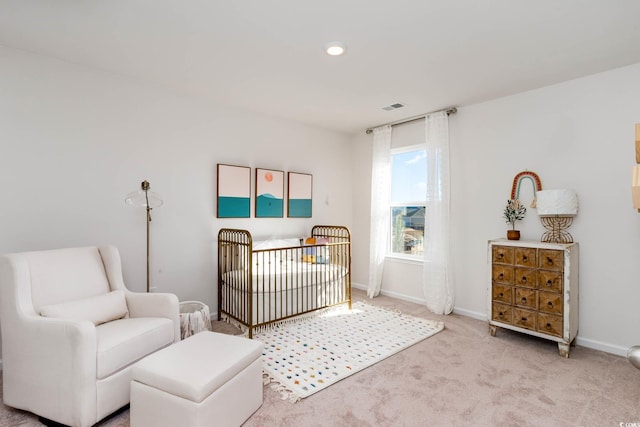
{"x": 140, "y": 304}
{"x": 155, "y": 305}
{"x": 61, "y": 354}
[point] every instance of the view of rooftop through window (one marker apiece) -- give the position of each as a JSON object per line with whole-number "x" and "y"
{"x": 408, "y": 194}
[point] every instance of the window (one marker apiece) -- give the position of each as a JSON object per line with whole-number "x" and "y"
{"x": 408, "y": 200}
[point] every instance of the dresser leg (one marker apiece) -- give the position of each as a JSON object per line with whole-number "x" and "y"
{"x": 563, "y": 349}
{"x": 492, "y": 330}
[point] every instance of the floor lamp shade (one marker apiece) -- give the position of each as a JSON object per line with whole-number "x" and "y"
{"x": 145, "y": 198}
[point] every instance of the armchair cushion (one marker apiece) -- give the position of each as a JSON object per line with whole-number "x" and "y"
{"x": 66, "y": 274}
{"x": 125, "y": 341}
{"x": 98, "y": 309}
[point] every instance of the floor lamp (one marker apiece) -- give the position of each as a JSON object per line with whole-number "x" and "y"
{"x": 148, "y": 199}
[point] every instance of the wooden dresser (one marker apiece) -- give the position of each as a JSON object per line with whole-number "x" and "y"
{"x": 533, "y": 289}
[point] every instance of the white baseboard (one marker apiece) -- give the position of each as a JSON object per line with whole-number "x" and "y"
{"x": 403, "y": 297}
{"x": 422, "y": 301}
{"x": 602, "y": 346}
{"x": 584, "y": 342}
{"x": 392, "y": 294}
{"x": 470, "y": 313}
{"x": 359, "y": 286}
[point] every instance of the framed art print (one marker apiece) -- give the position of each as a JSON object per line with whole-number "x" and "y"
{"x": 269, "y": 193}
{"x": 234, "y": 191}
{"x": 300, "y": 200}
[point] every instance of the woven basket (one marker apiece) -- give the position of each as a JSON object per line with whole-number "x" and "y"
{"x": 194, "y": 318}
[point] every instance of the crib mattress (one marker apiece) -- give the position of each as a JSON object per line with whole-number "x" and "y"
{"x": 285, "y": 277}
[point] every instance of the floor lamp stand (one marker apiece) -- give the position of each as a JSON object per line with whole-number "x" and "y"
{"x": 147, "y": 199}
{"x": 148, "y": 221}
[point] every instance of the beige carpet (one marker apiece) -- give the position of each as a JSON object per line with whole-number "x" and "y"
{"x": 459, "y": 377}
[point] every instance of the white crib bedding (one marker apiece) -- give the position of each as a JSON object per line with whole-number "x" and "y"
{"x": 277, "y": 277}
{"x": 288, "y": 291}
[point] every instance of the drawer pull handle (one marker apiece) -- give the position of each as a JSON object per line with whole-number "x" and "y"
{"x": 550, "y": 304}
{"x": 524, "y": 300}
{"x": 500, "y": 294}
{"x": 524, "y": 279}
{"x": 524, "y": 258}
{"x": 549, "y": 283}
{"x": 549, "y": 261}
{"x": 549, "y": 326}
{"x": 500, "y": 256}
{"x": 500, "y": 276}
{"x": 524, "y": 320}
{"x": 501, "y": 314}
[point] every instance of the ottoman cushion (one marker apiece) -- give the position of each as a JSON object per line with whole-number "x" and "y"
{"x": 199, "y": 365}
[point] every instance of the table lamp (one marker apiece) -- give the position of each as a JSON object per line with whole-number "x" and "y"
{"x": 556, "y": 209}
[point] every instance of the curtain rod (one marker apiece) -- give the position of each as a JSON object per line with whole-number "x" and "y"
{"x": 449, "y": 111}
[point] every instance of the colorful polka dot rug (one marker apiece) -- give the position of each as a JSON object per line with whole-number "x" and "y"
{"x": 304, "y": 356}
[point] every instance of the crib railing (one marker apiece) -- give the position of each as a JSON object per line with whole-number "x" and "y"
{"x": 260, "y": 287}
{"x": 234, "y": 259}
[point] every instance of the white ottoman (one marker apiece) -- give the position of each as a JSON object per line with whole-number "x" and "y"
{"x": 207, "y": 379}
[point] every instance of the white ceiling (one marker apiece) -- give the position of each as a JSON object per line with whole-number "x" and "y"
{"x": 268, "y": 56}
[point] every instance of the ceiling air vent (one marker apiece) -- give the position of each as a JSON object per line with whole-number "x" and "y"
{"x": 393, "y": 107}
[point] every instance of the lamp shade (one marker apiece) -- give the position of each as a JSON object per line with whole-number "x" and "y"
{"x": 144, "y": 197}
{"x": 635, "y": 186}
{"x": 139, "y": 199}
{"x": 557, "y": 202}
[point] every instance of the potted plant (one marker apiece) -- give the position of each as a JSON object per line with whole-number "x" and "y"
{"x": 514, "y": 211}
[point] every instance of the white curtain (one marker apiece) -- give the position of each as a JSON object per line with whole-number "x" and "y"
{"x": 380, "y": 195}
{"x": 437, "y": 278}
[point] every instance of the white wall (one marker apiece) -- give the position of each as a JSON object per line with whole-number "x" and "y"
{"x": 578, "y": 134}
{"x": 74, "y": 142}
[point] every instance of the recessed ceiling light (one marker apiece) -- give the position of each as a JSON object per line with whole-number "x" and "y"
{"x": 335, "y": 48}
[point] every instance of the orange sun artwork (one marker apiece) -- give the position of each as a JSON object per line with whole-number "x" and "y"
{"x": 268, "y": 177}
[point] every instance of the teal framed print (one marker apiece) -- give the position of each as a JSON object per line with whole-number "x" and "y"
{"x": 234, "y": 191}
{"x": 300, "y": 195}
{"x": 269, "y": 193}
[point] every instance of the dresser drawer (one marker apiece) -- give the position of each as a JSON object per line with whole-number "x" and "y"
{"x": 524, "y": 318}
{"x": 525, "y": 277}
{"x": 525, "y": 297}
{"x": 550, "y": 324}
{"x": 502, "y": 255}
{"x": 551, "y": 259}
{"x": 502, "y": 274}
{"x": 550, "y": 281}
{"x": 502, "y": 293}
{"x": 502, "y": 312}
{"x": 550, "y": 302}
{"x": 526, "y": 257}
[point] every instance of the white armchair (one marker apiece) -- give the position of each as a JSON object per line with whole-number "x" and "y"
{"x": 71, "y": 331}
